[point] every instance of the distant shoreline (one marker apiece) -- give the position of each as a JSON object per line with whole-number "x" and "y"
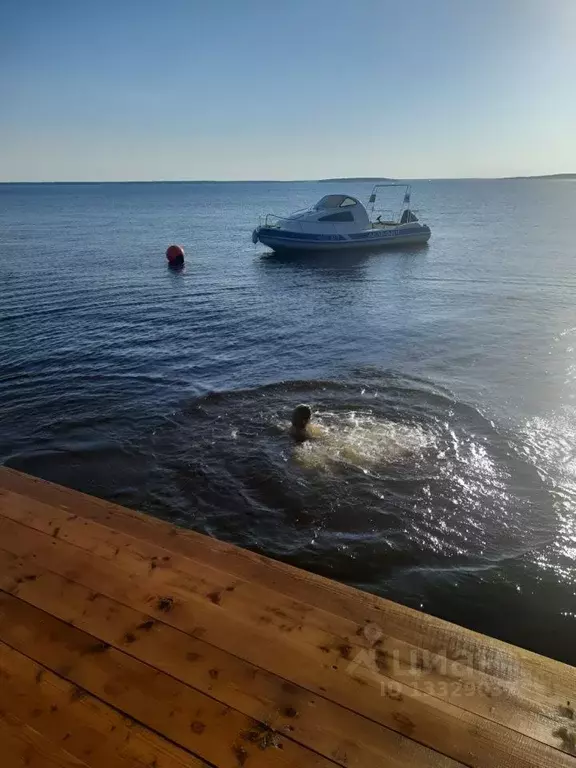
{"x": 336, "y": 180}
{"x": 375, "y": 179}
{"x": 547, "y": 176}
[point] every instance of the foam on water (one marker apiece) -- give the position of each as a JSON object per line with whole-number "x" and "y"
{"x": 359, "y": 439}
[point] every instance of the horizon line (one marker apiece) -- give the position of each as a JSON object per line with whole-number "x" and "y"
{"x": 338, "y": 179}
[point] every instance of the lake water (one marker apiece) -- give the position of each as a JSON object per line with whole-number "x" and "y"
{"x": 443, "y": 381}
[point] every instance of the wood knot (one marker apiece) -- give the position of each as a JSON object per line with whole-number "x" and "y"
{"x": 98, "y": 648}
{"x": 146, "y": 625}
{"x": 345, "y": 651}
{"x": 215, "y": 597}
{"x": 404, "y": 722}
{"x": 165, "y": 604}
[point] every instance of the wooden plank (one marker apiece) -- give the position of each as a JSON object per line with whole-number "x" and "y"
{"x": 21, "y": 745}
{"x": 115, "y": 545}
{"x": 517, "y": 702}
{"x": 435, "y": 723}
{"x": 433, "y": 636}
{"x": 311, "y": 720}
{"x": 216, "y": 733}
{"x": 550, "y": 668}
{"x": 83, "y": 726}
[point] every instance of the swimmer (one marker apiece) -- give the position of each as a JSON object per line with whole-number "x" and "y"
{"x": 301, "y": 416}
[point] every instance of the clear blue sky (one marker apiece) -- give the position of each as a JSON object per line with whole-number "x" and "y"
{"x": 244, "y": 89}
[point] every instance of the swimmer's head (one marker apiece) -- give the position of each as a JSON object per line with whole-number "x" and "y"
{"x": 301, "y": 416}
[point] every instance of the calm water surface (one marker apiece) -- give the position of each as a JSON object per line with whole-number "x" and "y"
{"x": 443, "y": 379}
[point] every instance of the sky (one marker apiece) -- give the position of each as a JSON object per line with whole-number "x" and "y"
{"x": 298, "y": 89}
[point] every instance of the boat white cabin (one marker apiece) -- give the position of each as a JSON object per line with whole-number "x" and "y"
{"x": 340, "y": 221}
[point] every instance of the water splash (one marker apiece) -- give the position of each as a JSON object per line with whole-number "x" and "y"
{"x": 359, "y": 439}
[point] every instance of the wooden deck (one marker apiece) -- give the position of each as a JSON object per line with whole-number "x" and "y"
{"x": 127, "y": 642}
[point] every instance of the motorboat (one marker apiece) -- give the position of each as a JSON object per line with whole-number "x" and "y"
{"x": 340, "y": 221}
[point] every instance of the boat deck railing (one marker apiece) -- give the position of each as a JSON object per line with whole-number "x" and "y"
{"x": 271, "y": 221}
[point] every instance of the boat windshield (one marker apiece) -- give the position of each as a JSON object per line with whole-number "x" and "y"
{"x": 335, "y": 201}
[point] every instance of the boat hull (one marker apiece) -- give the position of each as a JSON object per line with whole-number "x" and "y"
{"x": 286, "y": 240}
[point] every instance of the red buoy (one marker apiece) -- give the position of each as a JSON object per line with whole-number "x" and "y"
{"x": 175, "y": 255}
